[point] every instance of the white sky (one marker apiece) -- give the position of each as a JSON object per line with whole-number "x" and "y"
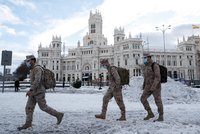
{"x": 24, "y": 24}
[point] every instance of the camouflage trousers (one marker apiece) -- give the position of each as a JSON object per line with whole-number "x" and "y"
{"x": 30, "y": 106}
{"x": 117, "y": 94}
{"x": 157, "y": 97}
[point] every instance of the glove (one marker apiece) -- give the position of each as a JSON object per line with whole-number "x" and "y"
{"x": 29, "y": 93}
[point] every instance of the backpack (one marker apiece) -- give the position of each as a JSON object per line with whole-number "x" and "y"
{"x": 48, "y": 78}
{"x": 124, "y": 75}
{"x": 163, "y": 73}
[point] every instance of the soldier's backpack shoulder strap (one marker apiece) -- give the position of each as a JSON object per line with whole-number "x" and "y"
{"x": 152, "y": 66}
{"x": 39, "y": 66}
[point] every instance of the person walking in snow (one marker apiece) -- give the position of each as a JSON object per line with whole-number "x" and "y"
{"x": 36, "y": 94}
{"x": 114, "y": 90}
{"x": 152, "y": 86}
{"x": 16, "y": 85}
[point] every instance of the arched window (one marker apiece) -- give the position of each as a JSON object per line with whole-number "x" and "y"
{"x": 87, "y": 68}
{"x": 91, "y": 42}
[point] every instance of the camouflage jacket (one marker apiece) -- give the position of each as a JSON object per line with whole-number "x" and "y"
{"x": 151, "y": 78}
{"x": 114, "y": 78}
{"x": 36, "y": 80}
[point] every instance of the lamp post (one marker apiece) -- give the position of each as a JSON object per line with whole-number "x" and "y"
{"x": 163, "y": 29}
{"x": 146, "y": 43}
{"x": 100, "y": 81}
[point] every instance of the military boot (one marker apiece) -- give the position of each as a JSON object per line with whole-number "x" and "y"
{"x": 59, "y": 118}
{"x": 25, "y": 126}
{"x": 122, "y": 118}
{"x": 101, "y": 116}
{"x": 160, "y": 118}
{"x": 149, "y": 116}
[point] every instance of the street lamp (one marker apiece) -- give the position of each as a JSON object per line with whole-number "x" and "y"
{"x": 146, "y": 43}
{"x": 163, "y": 29}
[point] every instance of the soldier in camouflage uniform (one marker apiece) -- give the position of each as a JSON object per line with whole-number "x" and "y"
{"x": 152, "y": 86}
{"x": 36, "y": 94}
{"x": 115, "y": 90}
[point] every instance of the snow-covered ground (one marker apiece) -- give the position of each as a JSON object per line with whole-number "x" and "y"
{"x": 181, "y": 107}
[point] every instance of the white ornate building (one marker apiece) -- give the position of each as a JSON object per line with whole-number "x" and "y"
{"x": 83, "y": 61}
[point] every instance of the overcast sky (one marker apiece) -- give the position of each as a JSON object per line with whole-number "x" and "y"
{"x": 24, "y": 24}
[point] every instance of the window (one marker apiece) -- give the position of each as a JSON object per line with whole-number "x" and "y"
{"x": 45, "y": 54}
{"x": 126, "y": 63}
{"x": 125, "y": 46}
{"x": 191, "y": 74}
{"x": 77, "y": 76}
{"x": 64, "y": 67}
{"x": 87, "y": 68}
{"x": 190, "y": 62}
{"x": 94, "y": 65}
{"x": 92, "y": 26}
{"x": 73, "y": 67}
{"x": 174, "y": 63}
{"x": 118, "y": 63}
{"x": 93, "y": 31}
{"x": 136, "y": 61}
{"x": 117, "y": 38}
{"x": 188, "y": 48}
{"x": 163, "y": 62}
{"x": 136, "y": 72}
{"x": 91, "y": 42}
{"x": 126, "y": 55}
{"x": 168, "y": 62}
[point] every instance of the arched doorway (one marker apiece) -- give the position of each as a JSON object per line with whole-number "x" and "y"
{"x": 87, "y": 74}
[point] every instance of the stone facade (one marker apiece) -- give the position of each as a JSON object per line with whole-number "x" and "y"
{"x": 83, "y": 61}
